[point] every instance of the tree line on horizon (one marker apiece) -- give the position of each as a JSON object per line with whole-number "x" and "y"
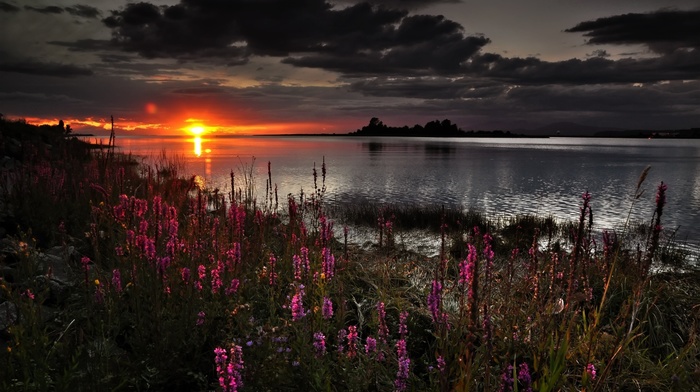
{"x": 435, "y": 128}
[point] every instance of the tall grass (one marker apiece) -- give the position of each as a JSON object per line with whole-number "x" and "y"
{"x": 179, "y": 287}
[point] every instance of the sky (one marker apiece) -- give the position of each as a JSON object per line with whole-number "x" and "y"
{"x": 315, "y": 66}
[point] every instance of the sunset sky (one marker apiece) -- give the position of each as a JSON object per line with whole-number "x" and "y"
{"x": 307, "y": 66}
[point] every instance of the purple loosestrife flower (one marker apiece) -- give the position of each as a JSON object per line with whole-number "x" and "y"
{"x": 341, "y": 339}
{"x": 185, "y": 274}
{"x": 466, "y": 268}
{"x": 296, "y": 263}
{"x": 171, "y": 247}
{"x": 220, "y": 360}
{"x": 228, "y": 369}
{"x": 319, "y": 344}
{"x": 441, "y": 364}
{"x": 590, "y": 369}
{"x": 524, "y": 377}
{"x": 150, "y": 249}
{"x": 117, "y": 280}
{"x": 435, "y": 302}
{"x": 507, "y": 381}
{"x": 402, "y": 373}
{"x": 381, "y": 316}
{"x": 236, "y": 364}
{"x": 327, "y": 264}
{"x": 403, "y": 329}
{"x": 162, "y": 263}
{"x": 143, "y": 226}
{"x": 298, "y": 304}
{"x": 306, "y": 265}
{"x": 327, "y": 308}
{"x": 233, "y": 287}
{"x": 352, "y": 341}
{"x": 216, "y": 282}
{"x": 370, "y": 345}
{"x": 200, "y": 318}
{"x": 272, "y": 274}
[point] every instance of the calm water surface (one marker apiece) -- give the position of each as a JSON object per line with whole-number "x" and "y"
{"x": 494, "y": 176}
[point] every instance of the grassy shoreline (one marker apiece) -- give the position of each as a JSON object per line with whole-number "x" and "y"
{"x": 118, "y": 276}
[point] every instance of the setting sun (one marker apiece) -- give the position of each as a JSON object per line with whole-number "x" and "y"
{"x": 197, "y": 130}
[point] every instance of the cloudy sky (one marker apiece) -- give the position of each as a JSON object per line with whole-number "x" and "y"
{"x": 288, "y": 66}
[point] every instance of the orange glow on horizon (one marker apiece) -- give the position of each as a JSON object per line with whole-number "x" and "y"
{"x": 192, "y": 127}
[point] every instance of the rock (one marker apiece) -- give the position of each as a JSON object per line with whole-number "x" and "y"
{"x": 8, "y": 274}
{"x": 8, "y": 314}
{"x": 57, "y": 268}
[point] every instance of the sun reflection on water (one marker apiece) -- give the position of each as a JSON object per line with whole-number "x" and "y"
{"x": 198, "y": 146}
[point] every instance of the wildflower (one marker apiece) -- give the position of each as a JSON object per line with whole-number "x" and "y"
{"x": 305, "y": 263}
{"x": 117, "y": 280}
{"x": 236, "y": 365}
{"x": 466, "y": 268}
{"x": 441, "y": 363}
{"x": 352, "y": 341}
{"x": 200, "y": 318}
{"x": 163, "y": 263}
{"x": 341, "y": 338}
{"x": 119, "y": 251}
{"x": 298, "y": 304}
{"x": 296, "y": 262}
{"x": 233, "y": 287}
{"x": 216, "y": 282}
{"x": 524, "y": 377}
{"x": 590, "y": 369}
{"x": 507, "y": 381}
{"x": 370, "y": 345}
{"x": 185, "y": 274}
{"x": 403, "y": 329}
{"x": 404, "y": 366}
{"x": 228, "y": 369}
{"x": 435, "y": 301}
{"x": 327, "y": 309}
{"x": 327, "y": 263}
{"x": 272, "y": 274}
{"x": 29, "y": 294}
{"x": 319, "y": 344}
{"x": 383, "y": 332}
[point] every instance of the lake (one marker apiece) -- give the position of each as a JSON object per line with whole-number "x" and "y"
{"x": 499, "y": 177}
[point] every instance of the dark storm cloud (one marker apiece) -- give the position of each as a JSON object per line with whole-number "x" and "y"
{"x": 662, "y": 31}
{"x": 199, "y": 91}
{"x": 7, "y": 7}
{"x": 401, "y": 4}
{"x": 357, "y": 39}
{"x": 83, "y": 10}
{"x": 45, "y": 68}
{"x": 679, "y": 65}
{"x": 83, "y": 45}
{"x": 38, "y": 98}
{"x": 51, "y": 9}
{"x": 427, "y": 88}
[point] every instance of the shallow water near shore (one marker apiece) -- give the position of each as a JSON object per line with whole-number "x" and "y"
{"x": 497, "y": 177}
